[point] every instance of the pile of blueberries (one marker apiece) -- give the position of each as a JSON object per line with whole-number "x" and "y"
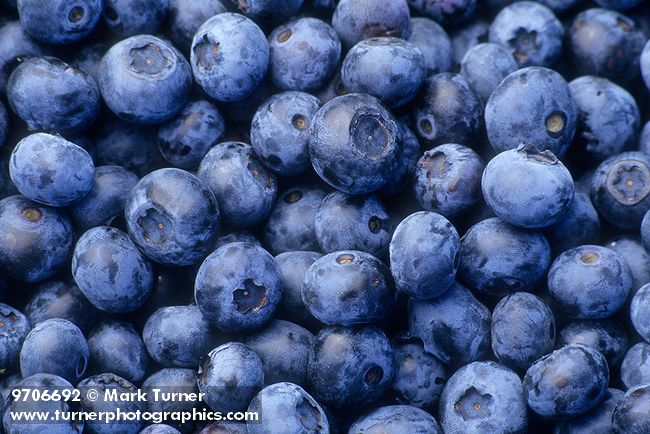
{"x": 348, "y": 216}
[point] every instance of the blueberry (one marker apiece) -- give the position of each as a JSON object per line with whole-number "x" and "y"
{"x": 46, "y": 239}
{"x": 132, "y": 17}
{"x": 530, "y": 31}
{"x": 15, "y": 46}
{"x": 446, "y": 12}
{"x": 630, "y": 414}
{"x": 608, "y": 117}
{"x": 579, "y": 225}
{"x": 598, "y": 419}
{"x": 447, "y": 110}
{"x": 483, "y": 397}
{"x": 403, "y": 171}
{"x": 179, "y": 380}
{"x": 286, "y": 407}
{"x": 635, "y": 369}
{"x": 348, "y": 287}
{"x": 645, "y": 231}
{"x": 466, "y": 36}
{"x": 186, "y": 16}
{"x": 55, "y": 346}
{"x": 607, "y": 44}
{"x": 110, "y": 271}
{"x": 620, "y": 189}
{"x": 496, "y": 258}
{"x": 230, "y": 377}
{"x": 15, "y": 327}
{"x": 242, "y": 185}
{"x": 159, "y": 429}
{"x": 645, "y": 65}
{"x": 60, "y": 299}
{"x": 355, "y": 20}
{"x": 224, "y": 427}
{"x": 117, "y": 348}
{"x": 178, "y": 336}
{"x": 390, "y": 69}
{"x": 280, "y": 132}
{"x": 59, "y": 21}
{"x": 293, "y": 266}
{"x": 636, "y": 257}
{"x": 350, "y": 367}
{"x": 89, "y": 58}
{"x": 454, "y": 327}
{"x": 424, "y": 255}
{"x": 604, "y": 335}
{"x": 304, "y": 54}
{"x": 354, "y": 143}
{"x": 396, "y": 419}
{"x": 566, "y": 383}
{"x": 434, "y": 44}
{"x": 345, "y": 222}
{"x": 173, "y": 217}
{"x": 485, "y": 66}
{"x": 238, "y": 287}
{"x": 523, "y": 330}
{"x": 618, "y": 4}
{"x": 284, "y": 349}
{"x": 234, "y": 236}
{"x": 448, "y": 179}
{"x": 419, "y": 376}
{"x": 144, "y": 79}
{"x": 229, "y": 57}
{"x": 269, "y": 9}
{"x": 561, "y": 6}
{"x": 184, "y": 140}
{"x": 532, "y": 106}
{"x": 640, "y": 312}
{"x": 589, "y": 282}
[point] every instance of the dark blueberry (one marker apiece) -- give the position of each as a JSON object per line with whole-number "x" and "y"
{"x": 284, "y": 349}
{"x": 178, "y": 336}
{"x": 280, "y": 132}
{"x": 403, "y": 171}
{"x": 103, "y": 385}
{"x": 238, "y": 287}
{"x": 523, "y": 330}
{"x": 608, "y": 117}
{"x": 144, "y": 79}
{"x": 636, "y": 257}
{"x": 186, "y": 16}
{"x": 132, "y": 17}
{"x": 496, "y": 258}
{"x": 645, "y": 66}
{"x": 269, "y": 9}
{"x": 345, "y": 222}
{"x": 332, "y": 89}
{"x": 59, "y": 21}
{"x": 645, "y": 231}
{"x": 354, "y": 143}
{"x": 185, "y": 139}
{"x": 243, "y": 187}
{"x": 527, "y": 187}
{"x": 589, "y": 282}
{"x": 173, "y": 217}
{"x": 424, "y": 255}
{"x": 635, "y": 369}
{"x": 304, "y": 54}
{"x": 465, "y": 37}
{"x": 50, "y": 170}
{"x": 110, "y": 270}
{"x": 348, "y": 287}
{"x": 454, "y": 327}
{"x": 607, "y": 44}
{"x": 631, "y": 413}
{"x": 446, "y": 12}
{"x": 117, "y": 348}
{"x": 640, "y": 312}
{"x": 532, "y": 106}
{"x": 14, "y": 327}
{"x": 224, "y": 427}
{"x": 483, "y": 397}
{"x": 485, "y": 66}
{"x": 60, "y": 299}
{"x": 287, "y": 408}
{"x": 230, "y": 376}
{"x": 45, "y": 236}
{"x": 355, "y": 20}
{"x": 350, "y": 367}
{"x": 170, "y": 380}
{"x": 530, "y": 31}
{"x": 618, "y": 4}
{"x": 579, "y": 225}
{"x": 229, "y": 56}
{"x": 448, "y": 179}
{"x": 388, "y": 68}
{"x": 447, "y": 110}
{"x": 4, "y": 124}
{"x": 89, "y": 57}
{"x": 620, "y": 189}
{"x": 294, "y": 265}
{"x": 566, "y": 383}
{"x": 234, "y": 236}
{"x": 419, "y": 376}
{"x": 434, "y": 43}
{"x": 55, "y": 346}
{"x": 15, "y": 47}
{"x": 606, "y": 336}
{"x": 396, "y": 419}
{"x": 597, "y": 420}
